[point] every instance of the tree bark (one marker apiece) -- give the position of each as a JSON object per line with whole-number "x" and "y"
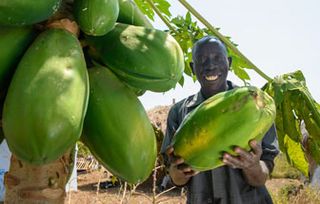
{"x": 43, "y": 184}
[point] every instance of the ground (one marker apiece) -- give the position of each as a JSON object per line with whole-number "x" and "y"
{"x": 89, "y": 193}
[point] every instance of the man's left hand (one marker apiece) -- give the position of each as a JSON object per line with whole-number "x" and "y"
{"x": 246, "y": 160}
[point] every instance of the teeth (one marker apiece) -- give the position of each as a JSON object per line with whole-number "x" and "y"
{"x": 212, "y": 78}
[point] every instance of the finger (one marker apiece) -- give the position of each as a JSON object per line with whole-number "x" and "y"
{"x": 184, "y": 167}
{"x": 256, "y": 147}
{"x": 176, "y": 161}
{"x": 243, "y": 154}
{"x": 191, "y": 173}
{"x": 169, "y": 151}
{"x": 231, "y": 161}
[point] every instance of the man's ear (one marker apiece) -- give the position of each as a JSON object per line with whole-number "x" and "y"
{"x": 230, "y": 61}
{"x": 192, "y": 67}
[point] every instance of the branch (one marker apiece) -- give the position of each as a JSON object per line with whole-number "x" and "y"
{"x": 222, "y": 38}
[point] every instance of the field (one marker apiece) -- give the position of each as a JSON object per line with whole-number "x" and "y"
{"x": 286, "y": 184}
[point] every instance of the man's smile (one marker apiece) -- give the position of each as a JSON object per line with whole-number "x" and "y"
{"x": 212, "y": 77}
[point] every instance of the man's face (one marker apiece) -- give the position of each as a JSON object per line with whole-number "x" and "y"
{"x": 211, "y": 66}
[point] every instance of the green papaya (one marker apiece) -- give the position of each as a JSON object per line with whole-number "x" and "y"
{"x": 96, "y": 17}
{"x": 26, "y": 12}
{"x": 144, "y": 58}
{"x": 47, "y": 98}
{"x": 131, "y": 14}
{"x": 225, "y": 120}
{"x": 14, "y": 42}
{"x": 117, "y": 129}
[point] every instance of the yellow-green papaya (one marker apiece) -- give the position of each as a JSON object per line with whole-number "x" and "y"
{"x": 225, "y": 120}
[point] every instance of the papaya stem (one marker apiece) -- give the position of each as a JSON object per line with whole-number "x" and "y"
{"x": 223, "y": 39}
{"x": 163, "y": 18}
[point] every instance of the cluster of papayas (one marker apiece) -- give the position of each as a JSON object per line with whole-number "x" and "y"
{"x": 57, "y": 89}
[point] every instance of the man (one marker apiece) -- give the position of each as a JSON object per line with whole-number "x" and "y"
{"x": 242, "y": 179}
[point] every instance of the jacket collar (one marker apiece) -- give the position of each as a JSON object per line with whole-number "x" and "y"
{"x": 198, "y": 98}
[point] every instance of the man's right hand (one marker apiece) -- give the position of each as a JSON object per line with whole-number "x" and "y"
{"x": 180, "y": 172}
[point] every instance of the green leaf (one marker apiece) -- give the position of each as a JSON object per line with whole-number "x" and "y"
{"x": 295, "y": 155}
{"x": 163, "y": 6}
{"x": 188, "y": 18}
{"x": 181, "y": 81}
{"x": 145, "y": 8}
{"x": 241, "y": 73}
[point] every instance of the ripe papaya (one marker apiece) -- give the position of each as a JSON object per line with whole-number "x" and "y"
{"x": 225, "y": 120}
{"x": 26, "y": 12}
{"x": 144, "y": 58}
{"x": 131, "y": 14}
{"x": 96, "y": 17}
{"x": 47, "y": 98}
{"x": 14, "y": 42}
{"x": 124, "y": 142}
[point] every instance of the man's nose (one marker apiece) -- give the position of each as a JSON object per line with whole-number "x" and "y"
{"x": 211, "y": 65}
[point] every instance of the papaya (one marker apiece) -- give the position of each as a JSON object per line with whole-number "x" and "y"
{"x": 117, "y": 129}
{"x": 220, "y": 123}
{"x": 47, "y": 98}
{"x": 130, "y": 14}
{"x": 96, "y": 17}
{"x": 144, "y": 58}
{"x": 26, "y": 12}
{"x": 14, "y": 42}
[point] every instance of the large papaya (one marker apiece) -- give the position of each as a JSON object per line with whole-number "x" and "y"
{"x": 225, "y": 120}
{"x": 131, "y": 14}
{"x": 117, "y": 129}
{"x": 47, "y": 98}
{"x": 145, "y": 58}
{"x": 96, "y": 17}
{"x": 26, "y": 12}
{"x": 14, "y": 42}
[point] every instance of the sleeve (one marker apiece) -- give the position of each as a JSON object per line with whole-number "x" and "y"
{"x": 270, "y": 148}
{"x": 172, "y": 126}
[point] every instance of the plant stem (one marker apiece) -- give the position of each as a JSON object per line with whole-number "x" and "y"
{"x": 158, "y": 12}
{"x": 222, "y": 38}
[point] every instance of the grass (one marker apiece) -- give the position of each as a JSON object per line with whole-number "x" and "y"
{"x": 282, "y": 168}
{"x": 292, "y": 192}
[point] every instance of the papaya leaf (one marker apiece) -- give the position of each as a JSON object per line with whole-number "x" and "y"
{"x": 145, "y": 8}
{"x": 163, "y": 6}
{"x": 181, "y": 81}
{"x": 295, "y": 155}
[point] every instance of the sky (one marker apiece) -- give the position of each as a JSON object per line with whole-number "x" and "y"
{"x": 278, "y": 36}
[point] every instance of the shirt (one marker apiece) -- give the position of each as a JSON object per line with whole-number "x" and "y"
{"x": 223, "y": 185}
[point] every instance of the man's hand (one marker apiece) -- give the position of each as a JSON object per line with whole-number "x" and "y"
{"x": 254, "y": 170}
{"x": 180, "y": 172}
{"x": 245, "y": 160}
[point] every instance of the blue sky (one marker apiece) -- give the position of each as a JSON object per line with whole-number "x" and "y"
{"x": 278, "y": 36}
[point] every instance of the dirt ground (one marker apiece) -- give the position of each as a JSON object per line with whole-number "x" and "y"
{"x": 90, "y": 193}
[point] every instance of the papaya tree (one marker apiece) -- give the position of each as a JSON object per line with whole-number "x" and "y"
{"x": 45, "y": 88}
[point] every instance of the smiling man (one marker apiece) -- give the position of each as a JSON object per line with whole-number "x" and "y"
{"x": 242, "y": 179}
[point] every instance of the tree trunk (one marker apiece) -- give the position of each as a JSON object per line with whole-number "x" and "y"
{"x": 26, "y": 183}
